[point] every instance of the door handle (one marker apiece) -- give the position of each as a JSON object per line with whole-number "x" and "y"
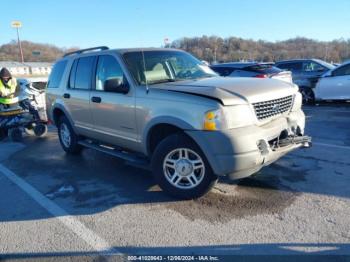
{"x": 96, "y": 99}
{"x": 66, "y": 95}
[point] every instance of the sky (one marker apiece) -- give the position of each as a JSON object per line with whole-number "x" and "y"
{"x": 137, "y": 23}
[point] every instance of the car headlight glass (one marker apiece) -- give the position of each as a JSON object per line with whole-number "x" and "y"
{"x": 228, "y": 117}
{"x": 298, "y": 101}
{"x": 238, "y": 116}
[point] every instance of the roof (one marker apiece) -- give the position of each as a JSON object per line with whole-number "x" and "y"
{"x": 123, "y": 51}
{"x": 239, "y": 65}
{"x": 38, "y": 64}
{"x": 11, "y": 64}
{"x": 299, "y": 60}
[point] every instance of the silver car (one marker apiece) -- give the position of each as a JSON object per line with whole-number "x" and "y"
{"x": 166, "y": 110}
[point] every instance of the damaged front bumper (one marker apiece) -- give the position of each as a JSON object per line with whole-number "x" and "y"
{"x": 241, "y": 152}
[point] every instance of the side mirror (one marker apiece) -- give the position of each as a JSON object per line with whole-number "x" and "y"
{"x": 116, "y": 85}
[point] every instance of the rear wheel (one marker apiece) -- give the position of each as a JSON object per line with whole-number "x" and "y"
{"x": 181, "y": 169}
{"x": 308, "y": 96}
{"x": 40, "y": 130}
{"x": 68, "y": 138}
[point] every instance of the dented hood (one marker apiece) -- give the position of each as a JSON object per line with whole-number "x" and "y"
{"x": 233, "y": 91}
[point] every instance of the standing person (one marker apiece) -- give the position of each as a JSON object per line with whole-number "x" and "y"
{"x": 8, "y": 86}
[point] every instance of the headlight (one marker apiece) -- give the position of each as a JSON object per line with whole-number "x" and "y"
{"x": 298, "y": 101}
{"x": 228, "y": 117}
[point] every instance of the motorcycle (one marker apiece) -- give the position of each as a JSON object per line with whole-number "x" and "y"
{"x": 28, "y": 115}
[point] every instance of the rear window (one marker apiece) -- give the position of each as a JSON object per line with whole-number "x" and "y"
{"x": 56, "y": 74}
{"x": 263, "y": 69}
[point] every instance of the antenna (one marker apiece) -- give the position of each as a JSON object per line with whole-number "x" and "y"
{"x": 144, "y": 70}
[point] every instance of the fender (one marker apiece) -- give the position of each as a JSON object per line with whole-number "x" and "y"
{"x": 170, "y": 120}
{"x": 66, "y": 114}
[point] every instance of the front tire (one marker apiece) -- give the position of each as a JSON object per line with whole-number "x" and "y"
{"x": 68, "y": 138}
{"x": 308, "y": 96}
{"x": 181, "y": 169}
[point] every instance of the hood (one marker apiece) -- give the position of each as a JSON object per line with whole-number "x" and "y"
{"x": 233, "y": 91}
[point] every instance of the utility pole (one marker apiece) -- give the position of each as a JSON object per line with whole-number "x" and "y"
{"x": 17, "y": 25}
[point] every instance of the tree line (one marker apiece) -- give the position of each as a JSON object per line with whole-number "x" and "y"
{"x": 213, "y": 48}
{"x": 210, "y": 48}
{"x": 32, "y": 52}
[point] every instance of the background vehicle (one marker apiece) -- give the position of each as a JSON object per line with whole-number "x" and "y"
{"x": 305, "y": 73}
{"x": 165, "y": 109}
{"x": 252, "y": 69}
{"x": 335, "y": 84}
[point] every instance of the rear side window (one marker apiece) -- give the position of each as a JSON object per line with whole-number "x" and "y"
{"x": 56, "y": 74}
{"x": 81, "y": 73}
{"x": 291, "y": 66}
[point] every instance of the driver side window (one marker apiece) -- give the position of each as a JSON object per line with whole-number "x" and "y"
{"x": 107, "y": 68}
{"x": 312, "y": 67}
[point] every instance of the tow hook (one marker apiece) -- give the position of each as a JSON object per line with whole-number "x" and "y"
{"x": 306, "y": 141}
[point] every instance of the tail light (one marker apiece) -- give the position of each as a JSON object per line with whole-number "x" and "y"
{"x": 261, "y": 76}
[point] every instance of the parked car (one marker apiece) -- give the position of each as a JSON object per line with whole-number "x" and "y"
{"x": 335, "y": 84}
{"x": 252, "y": 69}
{"x": 305, "y": 73}
{"x": 165, "y": 109}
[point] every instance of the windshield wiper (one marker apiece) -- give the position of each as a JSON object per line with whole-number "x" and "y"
{"x": 162, "y": 81}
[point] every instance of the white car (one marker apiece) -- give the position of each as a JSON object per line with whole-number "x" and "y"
{"x": 335, "y": 84}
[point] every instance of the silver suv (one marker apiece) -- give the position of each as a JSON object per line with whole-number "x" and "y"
{"x": 164, "y": 109}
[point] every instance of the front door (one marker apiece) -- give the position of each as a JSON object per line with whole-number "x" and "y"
{"x": 113, "y": 113}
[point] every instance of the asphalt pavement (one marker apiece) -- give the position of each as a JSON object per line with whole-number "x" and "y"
{"x": 94, "y": 206}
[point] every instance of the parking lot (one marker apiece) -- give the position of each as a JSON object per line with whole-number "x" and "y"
{"x": 52, "y": 204}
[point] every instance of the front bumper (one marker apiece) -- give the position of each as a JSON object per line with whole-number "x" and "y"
{"x": 243, "y": 151}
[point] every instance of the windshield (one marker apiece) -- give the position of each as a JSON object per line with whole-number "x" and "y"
{"x": 325, "y": 64}
{"x": 153, "y": 67}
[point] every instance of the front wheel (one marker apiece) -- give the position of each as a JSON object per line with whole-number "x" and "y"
{"x": 308, "y": 96}
{"x": 181, "y": 169}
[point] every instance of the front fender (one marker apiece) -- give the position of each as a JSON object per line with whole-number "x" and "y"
{"x": 170, "y": 120}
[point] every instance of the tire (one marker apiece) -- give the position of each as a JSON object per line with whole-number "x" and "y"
{"x": 15, "y": 134}
{"x": 40, "y": 130}
{"x": 308, "y": 96}
{"x": 181, "y": 169}
{"x": 68, "y": 138}
{"x": 29, "y": 131}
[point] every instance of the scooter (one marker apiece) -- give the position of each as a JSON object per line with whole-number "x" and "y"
{"x": 28, "y": 115}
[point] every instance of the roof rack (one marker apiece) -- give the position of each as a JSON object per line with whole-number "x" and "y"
{"x": 86, "y": 50}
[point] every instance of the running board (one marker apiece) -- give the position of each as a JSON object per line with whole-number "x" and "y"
{"x": 130, "y": 158}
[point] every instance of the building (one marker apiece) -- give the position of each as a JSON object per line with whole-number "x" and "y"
{"x": 27, "y": 69}
{"x": 16, "y": 68}
{"x": 39, "y": 68}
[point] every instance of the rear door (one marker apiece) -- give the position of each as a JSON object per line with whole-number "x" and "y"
{"x": 77, "y": 94}
{"x": 113, "y": 113}
{"x": 336, "y": 86}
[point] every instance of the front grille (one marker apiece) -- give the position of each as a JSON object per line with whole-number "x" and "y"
{"x": 267, "y": 109}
